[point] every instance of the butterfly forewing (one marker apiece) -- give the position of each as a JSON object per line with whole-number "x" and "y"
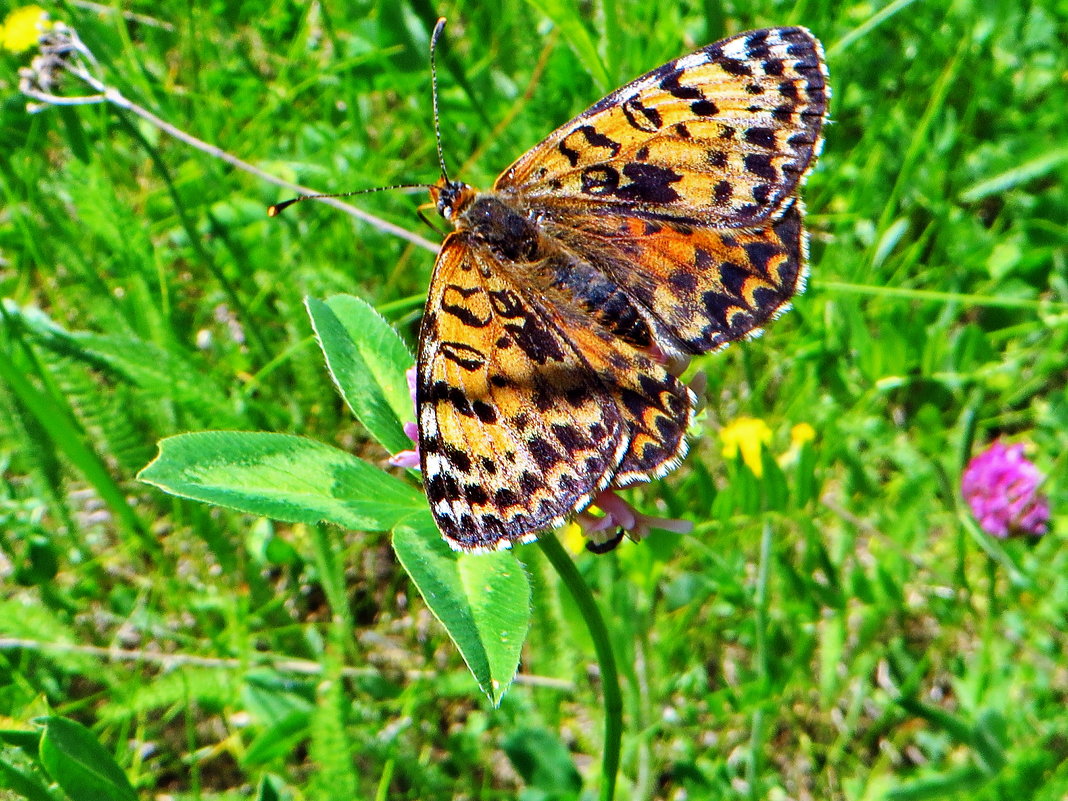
{"x": 721, "y": 136}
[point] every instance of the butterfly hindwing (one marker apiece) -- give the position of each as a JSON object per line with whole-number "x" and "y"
{"x": 528, "y": 408}
{"x": 702, "y": 288}
{"x": 720, "y": 137}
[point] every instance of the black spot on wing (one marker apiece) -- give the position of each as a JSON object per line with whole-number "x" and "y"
{"x": 760, "y": 255}
{"x": 704, "y": 108}
{"x": 763, "y": 137}
{"x": 640, "y": 117}
{"x": 734, "y": 67}
{"x": 464, "y": 356}
{"x": 682, "y": 281}
{"x": 504, "y": 497}
{"x": 649, "y": 183}
{"x": 733, "y": 277}
{"x": 484, "y": 411}
{"x": 760, "y": 164}
{"x": 544, "y": 454}
{"x": 773, "y": 66}
{"x": 600, "y": 179}
{"x": 571, "y": 148}
{"x": 460, "y": 460}
{"x": 670, "y": 84}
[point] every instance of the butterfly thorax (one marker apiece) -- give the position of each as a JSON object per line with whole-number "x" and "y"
{"x": 490, "y": 219}
{"x": 505, "y": 228}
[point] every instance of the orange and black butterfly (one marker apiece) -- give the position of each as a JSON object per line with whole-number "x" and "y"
{"x": 664, "y": 221}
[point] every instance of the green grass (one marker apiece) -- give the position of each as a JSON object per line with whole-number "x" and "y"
{"x": 858, "y": 639}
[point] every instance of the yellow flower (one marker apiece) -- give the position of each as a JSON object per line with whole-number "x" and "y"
{"x": 571, "y": 536}
{"x": 22, "y": 27}
{"x": 749, "y": 435}
{"x": 801, "y": 433}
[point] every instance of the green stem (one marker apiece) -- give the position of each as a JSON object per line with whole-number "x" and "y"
{"x": 613, "y": 698}
{"x": 761, "y": 648}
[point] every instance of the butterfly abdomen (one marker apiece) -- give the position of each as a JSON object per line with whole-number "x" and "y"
{"x": 600, "y": 297}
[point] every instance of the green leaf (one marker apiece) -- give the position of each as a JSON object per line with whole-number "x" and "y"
{"x": 80, "y": 765}
{"x": 367, "y": 361}
{"x": 267, "y": 790}
{"x": 1019, "y": 174}
{"x": 28, "y": 741}
{"x": 281, "y": 476}
{"x": 483, "y": 600}
{"x": 564, "y": 15}
{"x": 277, "y": 740}
{"x": 965, "y": 780}
{"x": 23, "y": 782}
{"x": 988, "y": 738}
{"x": 544, "y": 762}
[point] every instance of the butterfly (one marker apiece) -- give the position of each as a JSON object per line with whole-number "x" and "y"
{"x": 662, "y": 222}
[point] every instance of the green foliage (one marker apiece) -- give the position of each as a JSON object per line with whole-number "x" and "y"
{"x": 367, "y": 361}
{"x": 483, "y": 600}
{"x": 837, "y": 628}
{"x": 287, "y": 478}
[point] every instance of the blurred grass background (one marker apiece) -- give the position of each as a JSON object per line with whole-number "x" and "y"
{"x": 842, "y": 634}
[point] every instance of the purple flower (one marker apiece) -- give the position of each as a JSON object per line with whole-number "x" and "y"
{"x": 409, "y": 458}
{"x": 606, "y": 532}
{"x": 1001, "y": 487}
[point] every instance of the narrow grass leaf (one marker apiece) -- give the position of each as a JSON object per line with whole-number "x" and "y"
{"x": 167, "y": 373}
{"x": 805, "y": 484}
{"x": 965, "y": 780}
{"x": 267, "y": 791}
{"x": 367, "y": 361}
{"x": 888, "y": 241}
{"x": 80, "y": 765}
{"x": 283, "y": 477}
{"x": 1003, "y": 182}
{"x": 939, "y": 719}
{"x": 988, "y": 738}
{"x": 279, "y": 739}
{"x": 773, "y": 483}
{"x": 483, "y": 600}
{"x": 63, "y": 436}
{"x": 27, "y": 740}
{"x": 544, "y": 762}
{"x": 566, "y": 18}
{"x": 22, "y": 782}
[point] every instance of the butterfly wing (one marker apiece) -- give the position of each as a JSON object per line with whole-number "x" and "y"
{"x": 720, "y": 137}
{"x": 699, "y": 288}
{"x": 527, "y": 408}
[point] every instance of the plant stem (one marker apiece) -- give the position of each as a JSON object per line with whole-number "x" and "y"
{"x": 613, "y": 698}
{"x": 760, "y": 614}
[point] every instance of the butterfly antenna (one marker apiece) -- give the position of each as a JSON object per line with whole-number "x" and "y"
{"x": 278, "y": 208}
{"x": 434, "y": 91}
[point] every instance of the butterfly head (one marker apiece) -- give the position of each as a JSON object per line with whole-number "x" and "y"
{"x": 451, "y": 198}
